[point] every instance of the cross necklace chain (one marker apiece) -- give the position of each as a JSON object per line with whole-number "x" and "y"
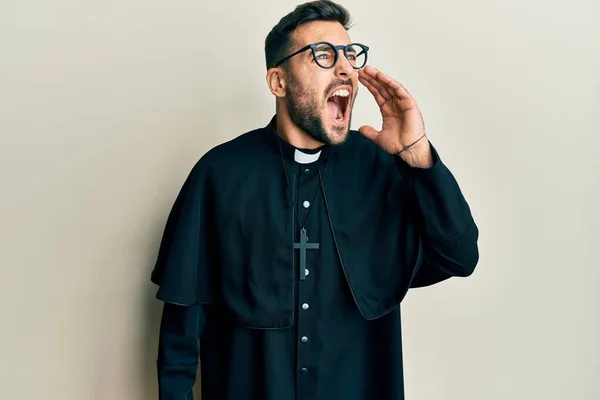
{"x": 303, "y": 245}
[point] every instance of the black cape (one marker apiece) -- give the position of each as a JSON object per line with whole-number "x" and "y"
{"x": 227, "y": 253}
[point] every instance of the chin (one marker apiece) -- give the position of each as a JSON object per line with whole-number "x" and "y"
{"x": 337, "y": 128}
{"x": 337, "y": 133}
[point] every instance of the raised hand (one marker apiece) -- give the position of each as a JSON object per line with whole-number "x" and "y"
{"x": 402, "y": 122}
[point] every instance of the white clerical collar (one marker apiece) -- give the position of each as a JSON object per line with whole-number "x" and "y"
{"x": 305, "y": 158}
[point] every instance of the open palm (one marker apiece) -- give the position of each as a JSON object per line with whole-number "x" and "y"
{"x": 402, "y": 122}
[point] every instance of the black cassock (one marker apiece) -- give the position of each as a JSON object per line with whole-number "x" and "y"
{"x": 265, "y": 314}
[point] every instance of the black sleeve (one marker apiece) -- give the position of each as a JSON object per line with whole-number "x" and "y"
{"x": 448, "y": 229}
{"x": 184, "y": 273}
{"x": 179, "y": 350}
{"x": 185, "y": 265}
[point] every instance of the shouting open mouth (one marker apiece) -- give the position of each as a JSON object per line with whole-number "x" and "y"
{"x": 338, "y": 104}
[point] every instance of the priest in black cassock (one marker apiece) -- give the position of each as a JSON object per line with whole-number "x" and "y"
{"x": 289, "y": 248}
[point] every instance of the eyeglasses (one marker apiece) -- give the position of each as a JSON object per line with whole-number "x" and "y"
{"x": 326, "y": 54}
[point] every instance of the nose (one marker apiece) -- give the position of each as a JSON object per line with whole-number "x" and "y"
{"x": 343, "y": 66}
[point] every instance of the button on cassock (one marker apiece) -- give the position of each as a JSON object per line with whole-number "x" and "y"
{"x": 306, "y": 204}
{"x": 304, "y": 339}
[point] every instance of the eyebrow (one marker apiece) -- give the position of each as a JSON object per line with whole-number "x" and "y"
{"x": 323, "y": 47}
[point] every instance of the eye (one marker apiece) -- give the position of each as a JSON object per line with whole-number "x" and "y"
{"x": 324, "y": 54}
{"x": 351, "y": 54}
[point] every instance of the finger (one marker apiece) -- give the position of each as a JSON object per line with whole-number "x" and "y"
{"x": 385, "y": 92}
{"x": 377, "y": 89}
{"x": 374, "y": 91}
{"x": 398, "y": 89}
{"x": 385, "y": 80}
{"x": 369, "y": 132}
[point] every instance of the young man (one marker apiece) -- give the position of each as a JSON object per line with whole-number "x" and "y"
{"x": 289, "y": 248}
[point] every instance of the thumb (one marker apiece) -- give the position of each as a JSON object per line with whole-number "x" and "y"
{"x": 369, "y": 132}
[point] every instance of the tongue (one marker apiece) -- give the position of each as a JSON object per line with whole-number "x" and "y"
{"x": 334, "y": 109}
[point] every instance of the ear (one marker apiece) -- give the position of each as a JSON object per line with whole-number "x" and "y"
{"x": 276, "y": 81}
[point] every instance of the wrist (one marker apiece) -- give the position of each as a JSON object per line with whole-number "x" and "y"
{"x": 419, "y": 155}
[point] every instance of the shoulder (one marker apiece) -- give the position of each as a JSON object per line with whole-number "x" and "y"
{"x": 234, "y": 150}
{"x": 230, "y": 154}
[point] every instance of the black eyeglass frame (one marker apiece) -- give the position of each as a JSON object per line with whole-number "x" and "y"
{"x": 313, "y": 48}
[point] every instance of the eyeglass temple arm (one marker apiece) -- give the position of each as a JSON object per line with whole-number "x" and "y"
{"x": 291, "y": 55}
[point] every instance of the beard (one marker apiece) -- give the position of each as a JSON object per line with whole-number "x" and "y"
{"x": 306, "y": 110}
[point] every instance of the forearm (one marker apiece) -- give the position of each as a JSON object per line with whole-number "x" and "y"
{"x": 449, "y": 230}
{"x": 179, "y": 351}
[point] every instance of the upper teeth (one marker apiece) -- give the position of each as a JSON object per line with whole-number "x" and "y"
{"x": 342, "y": 93}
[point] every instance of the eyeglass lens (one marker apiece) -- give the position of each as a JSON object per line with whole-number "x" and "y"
{"x": 325, "y": 55}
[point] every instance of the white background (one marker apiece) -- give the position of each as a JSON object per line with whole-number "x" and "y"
{"x": 106, "y": 105}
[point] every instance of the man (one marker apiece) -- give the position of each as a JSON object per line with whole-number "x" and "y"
{"x": 289, "y": 248}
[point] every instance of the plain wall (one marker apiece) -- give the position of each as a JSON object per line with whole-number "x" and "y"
{"x": 105, "y": 106}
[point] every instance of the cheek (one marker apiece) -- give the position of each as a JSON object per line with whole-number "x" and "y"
{"x": 356, "y": 85}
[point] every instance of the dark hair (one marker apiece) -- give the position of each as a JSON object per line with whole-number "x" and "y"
{"x": 279, "y": 43}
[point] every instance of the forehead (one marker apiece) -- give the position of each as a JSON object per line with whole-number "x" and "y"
{"x": 317, "y": 31}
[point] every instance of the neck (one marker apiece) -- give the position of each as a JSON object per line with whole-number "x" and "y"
{"x": 293, "y": 134}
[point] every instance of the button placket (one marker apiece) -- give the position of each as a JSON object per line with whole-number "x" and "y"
{"x": 309, "y": 183}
